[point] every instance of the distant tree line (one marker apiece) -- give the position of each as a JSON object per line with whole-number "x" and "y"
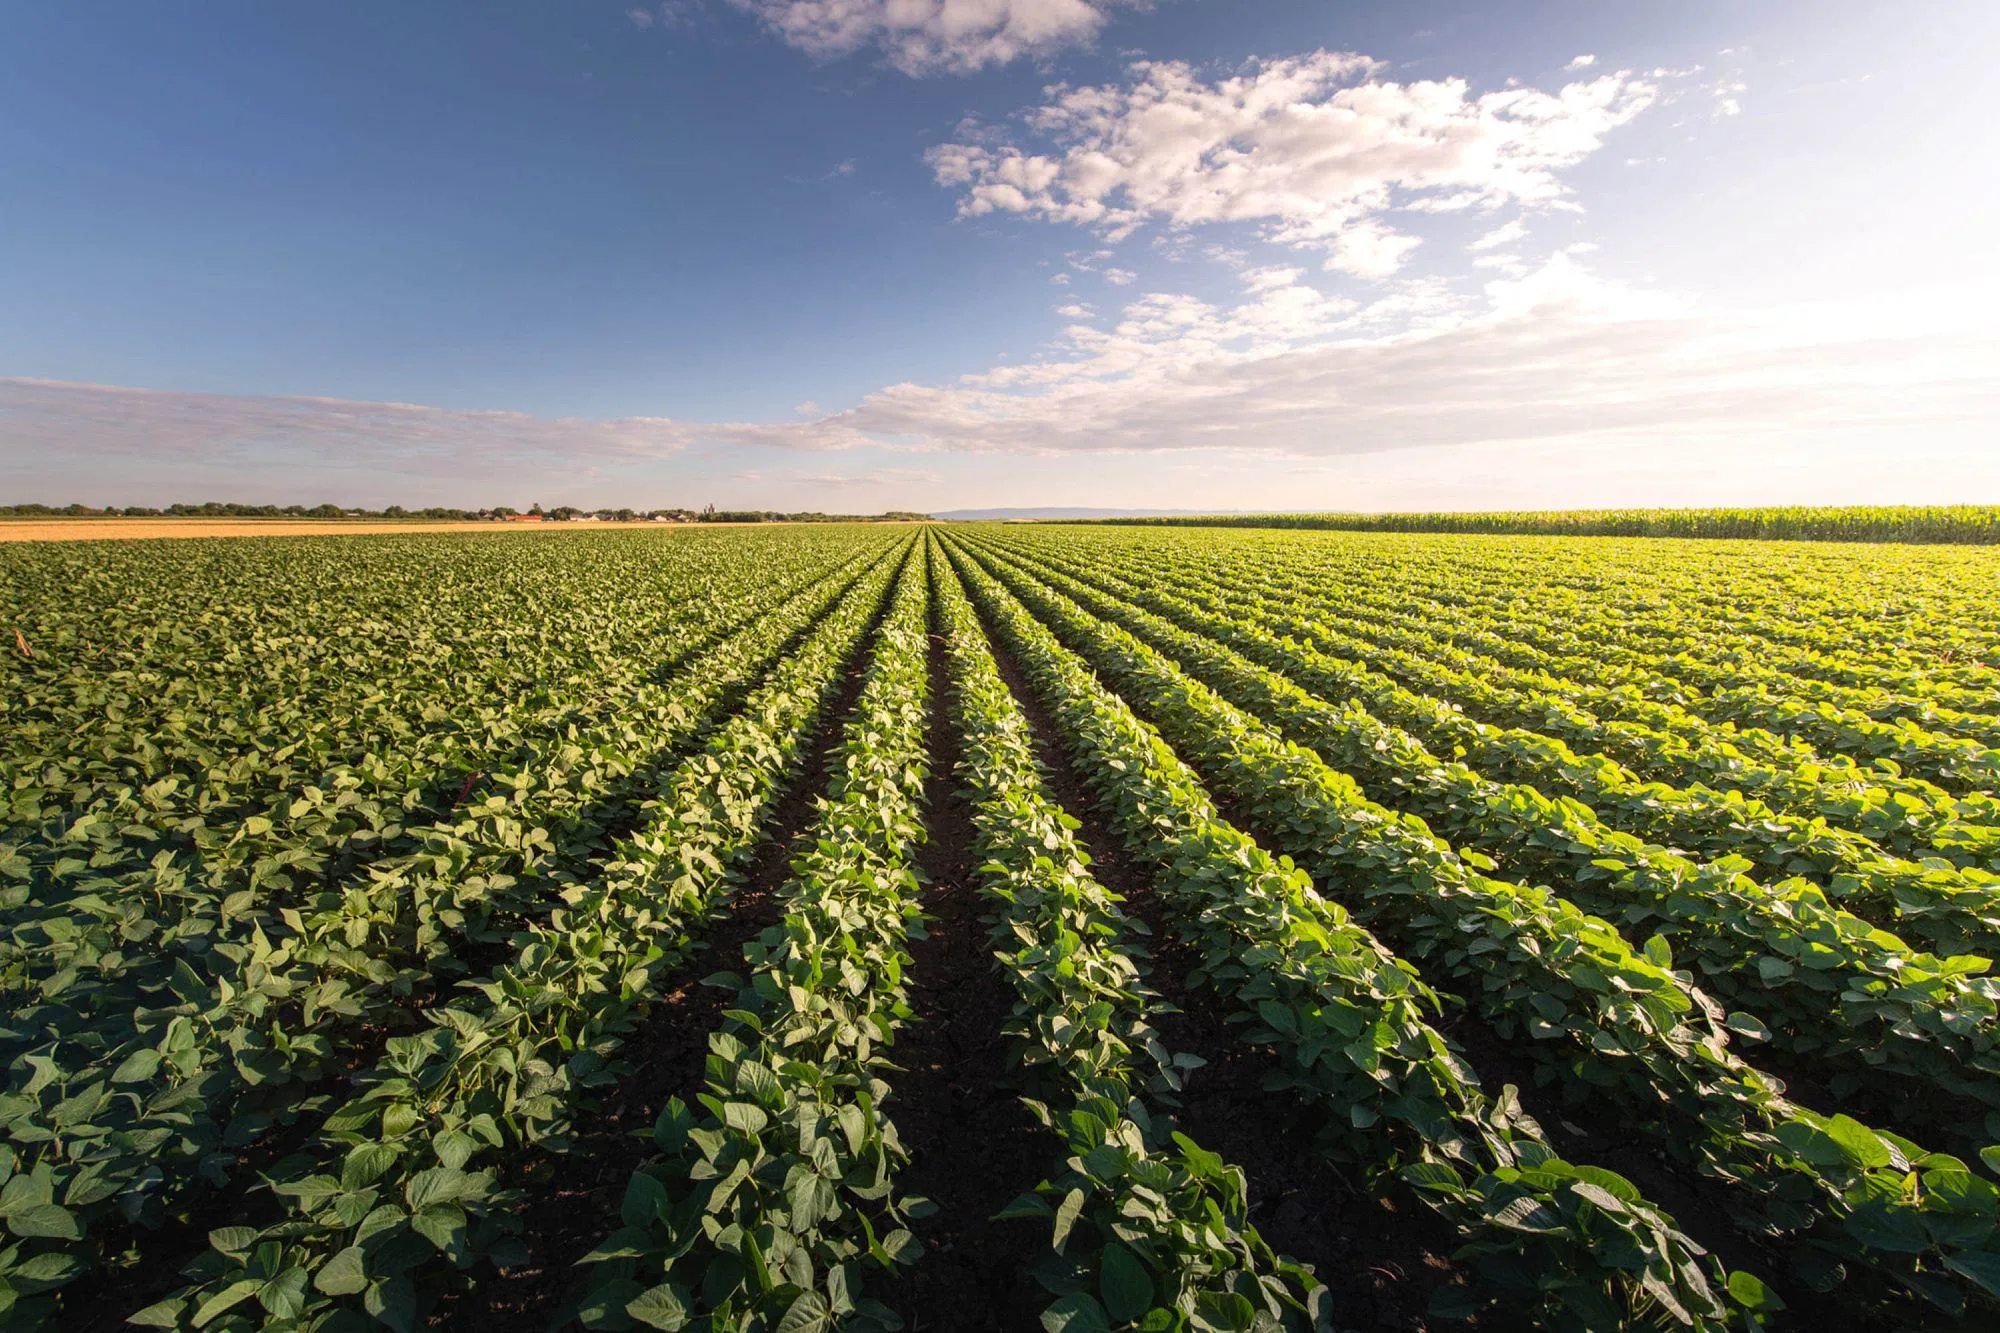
{"x": 221, "y": 509}
{"x": 561, "y": 513}
{"x": 811, "y": 516}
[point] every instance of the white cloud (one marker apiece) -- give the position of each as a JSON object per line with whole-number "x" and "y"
{"x": 1315, "y": 149}
{"x": 1581, "y": 62}
{"x": 1728, "y": 90}
{"x": 1548, "y": 356}
{"x": 1270, "y": 277}
{"x": 922, "y": 37}
{"x": 1120, "y": 277}
{"x": 1554, "y": 353}
{"x": 1505, "y": 234}
{"x": 1368, "y": 249}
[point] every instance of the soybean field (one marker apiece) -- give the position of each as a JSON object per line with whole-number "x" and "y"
{"x": 959, "y": 927}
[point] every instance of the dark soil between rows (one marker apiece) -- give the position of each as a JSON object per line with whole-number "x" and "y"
{"x": 1381, "y": 1254}
{"x": 1593, "y": 1130}
{"x": 973, "y": 1146}
{"x": 621, "y": 809}
{"x": 576, "y": 1202}
{"x": 104, "y": 1305}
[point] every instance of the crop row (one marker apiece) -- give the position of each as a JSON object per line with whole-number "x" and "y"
{"x": 1593, "y": 639}
{"x": 1895, "y": 614}
{"x": 1832, "y": 815}
{"x": 1352, "y": 1025}
{"x": 1802, "y": 641}
{"x": 1833, "y": 987}
{"x": 1881, "y": 620}
{"x": 771, "y": 1210}
{"x": 120, "y": 745}
{"x": 169, "y": 1096}
{"x": 315, "y": 794}
{"x": 1530, "y": 924}
{"x": 1604, "y": 1018}
{"x": 1145, "y": 1226}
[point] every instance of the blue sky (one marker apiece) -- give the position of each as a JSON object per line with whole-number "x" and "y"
{"x": 863, "y": 254}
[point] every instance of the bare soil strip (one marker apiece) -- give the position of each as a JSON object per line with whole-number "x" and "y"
{"x": 973, "y": 1146}
{"x": 1381, "y": 1255}
{"x": 579, "y": 1192}
{"x": 578, "y": 1195}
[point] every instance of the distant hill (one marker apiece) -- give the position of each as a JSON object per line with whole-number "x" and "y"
{"x": 975, "y": 515}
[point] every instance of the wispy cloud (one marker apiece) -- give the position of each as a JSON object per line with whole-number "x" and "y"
{"x": 921, "y": 37}
{"x": 1288, "y": 371}
{"x": 1505, "y": 234}
{"x": 1556, "y": 354}
{"x": 665, "y": 14}
{"x": 406, "y": 437}
{"x": 886, "y": 476}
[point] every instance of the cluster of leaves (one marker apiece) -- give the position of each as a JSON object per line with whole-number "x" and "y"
{"x": 1349, "y": 1022}
{"x": 1696, "y": 817}
{"x": 1607, "y": 1018}
{"x": 154, "y": 1055}
{"x": 1147, "y": 1230}
{"x": 1812, "y": 659}
{"x": 1894, "y": 618}
{"x": 1674, "y": 662}
{"x": 1904, "y": 816}
{"x": 179, "y": 691}
{"x": 766, "y": 1212}
{"x": 505, "y": 1065}
{"x": 1792, "y": 812}
{"x": 401, "y": 1184}
{"x": 1782, "y": 950}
